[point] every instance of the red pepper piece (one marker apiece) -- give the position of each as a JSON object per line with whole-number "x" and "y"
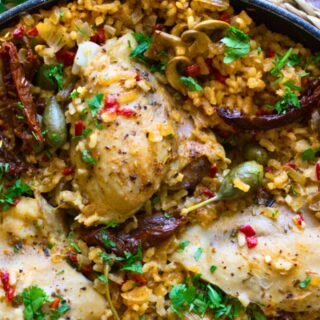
{"x": 213, "y": 171}
{"x": 111, "y": 104}
{"x": 290, "y": 165}
{"x": 68, "y": 171}
{"x": 66, "y": 57}
{"x": 271, "y": 54}
{"x": 79, "y": 127}
{"x": 16, "y": 201}
{"x": 192, "y": 71}
{"x": 138, "y": 77}
{"x": 138, "y": 278}
{"x": 7, "y": 287}
{"x": 33, "y": 32}
{"x": 318, "y": 170}
{"x": 300, "y": 218}
{"x": 19, "y": 32}
{"x": 225, "y": 17}
{"x": 55, "y": 303}
{"x": 247, "y": 230}
{"x": 252, "y": 242}
{"x": 207, "y": 192}
{"x": 99, "y": 37}
{"x": 126, "y": 112}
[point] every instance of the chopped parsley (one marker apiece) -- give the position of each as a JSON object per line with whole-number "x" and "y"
{"x": 55, "y": 72}
{"x": 310, "y": 154}
{"x": 237, "y": 44}
{"x": 55, "y": 314}
{"x": 84, "y": 133}
{"x": 4, "y": 168}
{"x": 8, "y": 197}
{"x": 86, "y": 157}
{"x": 72, "y": 244}
{"x": 303, "y": 284}
{"x": 294, "y": 60}
{"x": 132, "y": 262}
{"x": 112, "y": 224}
{"x": 107, "y": 242}
{"x": 292, "y": 86}
{"x": 191, "y": 84}
{"x": 168, "y": 215}
{"x": 199, "y": 297}
{"x": 198, "y": 254}
{"x": 289, "y": 99}
{"x": 213, "y": 268}
{"x": 95, "y": 103}
{"x": 103, "y": 278}
{"x": 144, "y": 43}
{"x": 280, "y": 62}
{"x": 74, "y": 94}
{"x": 183, "y": 244}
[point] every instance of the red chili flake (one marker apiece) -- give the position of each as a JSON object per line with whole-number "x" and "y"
{"x": 247, "y": 230}
{"x": 55, "y": 303}
{"x": 225, "y": 17}
{"x": 207, "y": 192}
{"x": 213, "y": 171}
{"x": 300, "y": 218}
{"x": 72, "y": 257}
{"x": 66, "y": 57}
{"x": 19, "y": 32}
{"x": 86, "y": 268}
{"x": 111, "y": 104}
{"x": 138, "y": 77}
{"x": 126, "y": 112}
{"x": 218, "y": 76}
{"x": 16, "y": 201}
{"x": 192, "y": 70}
{"x": 269, "y": 169}
{"x": 33, "y": 32}
{"x": 68, "y": 171}
{"x": 271, "y": 54}
{"x": 138, "y": 278}
{"x": 158, "y": 27}
{"x": 250, "y": 234}
{"x": 99, "y": 37}
{"x": 79, "y": 127}
{"x": 7, "y": 287}
{"x": 318, "y": 170}
{"x": 290, "y": 165}
{"x": 252, "y": 241}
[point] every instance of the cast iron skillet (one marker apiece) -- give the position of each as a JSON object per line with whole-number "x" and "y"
{"x": 262, "y": 11}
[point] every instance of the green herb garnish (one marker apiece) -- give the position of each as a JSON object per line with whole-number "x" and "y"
{"x": 183, "y": 244}
{"x": 191, "y": 84}
{"x": 95, "y": 103}
{"x": 107, "y": 242}
{"x": 303, "y": 284}
{"x": 144, "y": 43}
{"x": 237, "y": 44}
{"x": 86, "y": 157}
{"x": 198, "y": 254}
{"x": 294, "y": 60}
{"x": 213, "y": 268}
{"x": 280, "y": 62}
{"x": 56, "y": 73}
{"x": 289, "y": 99}
{"x": 132, "y": 262}
{"x": 310, "y": 154}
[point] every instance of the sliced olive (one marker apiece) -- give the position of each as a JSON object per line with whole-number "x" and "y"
{"x": 55, "y": 123}
{"x": 255, "y": 152}
{"x": 44, "y": 80}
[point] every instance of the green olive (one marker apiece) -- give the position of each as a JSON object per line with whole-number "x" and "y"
{"x": 55, "y": 123}
{"x": 43, "y": 79}
{"x": 255, "y": 152}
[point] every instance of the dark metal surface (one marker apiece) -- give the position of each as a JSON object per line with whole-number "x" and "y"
{"x": 262, "y": 11}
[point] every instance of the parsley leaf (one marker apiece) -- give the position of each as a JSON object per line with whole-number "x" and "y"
{"x": 310, "y": 154}
{"x": 294, "y": 60}
{"x": 289, "y": 99}
{"x": 18, "y": 189}
{"x": 55, "y": 314}
{"x": 56, "y": 73}
{"x": 183, "y": 244}
{"x": 198, "y": 254}
{"x": 94, "y": 103}
{"x": 132, "y": 262}
{"x": 33, "y": 299}
{"x": 213, "y": 268}
{"x": 303, "y": 284}
{"x": 86, "y": 157}
{"x": 279, "y": 63}
{"x": 181, "y": 297}
{"x": 237, "y": 44}
{"x": 292, "y": 86}
{"x": 103, "y": 278}
{"x": 107, "y": 242}
{"x": 144, "y": 43}
{"x": 191, "y": 84}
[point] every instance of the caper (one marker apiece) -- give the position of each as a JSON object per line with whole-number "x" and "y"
{"x": 44, "y": 80}
{"x": 250, "y": 173}
{"x": 255, "y": 152}
{"x": 55, "y": 123}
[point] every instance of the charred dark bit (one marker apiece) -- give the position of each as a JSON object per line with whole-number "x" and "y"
{"x": 193, "y": 173}
{"x": 22, "y": 86}
{"x": 310, "y": 99}
{"x": 150, "y": 232}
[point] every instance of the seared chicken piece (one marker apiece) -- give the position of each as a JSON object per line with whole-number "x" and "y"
{"x": 268, "y": 274}
{"x": 137, "y": 140}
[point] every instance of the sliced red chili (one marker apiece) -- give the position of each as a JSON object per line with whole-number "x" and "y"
{"x": 126, "y": 112}
{"x": 290, "y": 165}
{"x": 138, "y": 77}
{"x": 247, "y": 230}
{"x": 271, "y": 54}
{"x": 111, "y": 104}
{"x": 252, "y": 242}
{"x": 192, "y": 70}
{"x": 213, "y": 171}
{"x": 300, "y": 218}
{"x": 79, "y": 127}
{"x": 318, "y": 170}
{"x": 99, "y": 37}
{"x": 55, "y": 303}
{"x": 19, "y": 32}
{"x": 33, "y": 32}
{"x": 7, "y": 287}
{"x": 66, "y": 57}
{"x": 68, "y": 171}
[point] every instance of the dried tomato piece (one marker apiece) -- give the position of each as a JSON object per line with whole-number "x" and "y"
{"x": 99, "y": 37}
{"x": 7, "y": 287}
{"x": 79, "y": 127}
{"x": 192, "y": 71}
{"x": 66, "y": 57}
{"x": 126, "y": 112}
{"x": 68, "y": 171}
